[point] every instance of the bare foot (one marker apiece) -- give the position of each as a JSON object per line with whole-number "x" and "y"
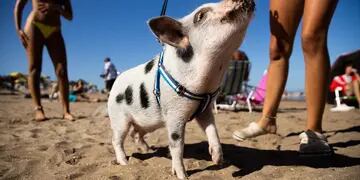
{"x": 69, "y": 117}
{"x": 40, "y": 116}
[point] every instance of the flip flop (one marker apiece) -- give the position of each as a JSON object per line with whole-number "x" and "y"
{"x": 314, "y": 144}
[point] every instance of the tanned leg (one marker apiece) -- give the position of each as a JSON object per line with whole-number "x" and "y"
{"x": 284, "y": 21}
{"x": 316, "y": 20}
{"x": 34, "y": 52}
{"x": 56, "y": 48}
{"x": 356, "y": 85}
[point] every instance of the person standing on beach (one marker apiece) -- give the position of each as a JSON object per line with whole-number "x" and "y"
{"x": 285, "y": 17}
{"x": 110, "y": 74}
{"x": 43, "y": 28}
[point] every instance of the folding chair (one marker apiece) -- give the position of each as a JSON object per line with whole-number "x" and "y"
{"x": 256, "y": 97}
{"x": 340, "y": 107}
{"x": 233, "y": 84}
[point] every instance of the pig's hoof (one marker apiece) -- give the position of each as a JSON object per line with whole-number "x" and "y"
{"x": 114, "y": 162}
{"x": 181, "y": 175}
{"x": 121, "y": 162}
{"x": 216, "y": 154}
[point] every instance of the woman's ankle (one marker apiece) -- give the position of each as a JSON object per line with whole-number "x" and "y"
{"x": 268, "y": 123}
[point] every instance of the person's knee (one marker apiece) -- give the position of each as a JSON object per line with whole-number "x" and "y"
{"x": 313, "y": 42}
{"x": 61, "y": 70}
{"x": 279, "y": 49}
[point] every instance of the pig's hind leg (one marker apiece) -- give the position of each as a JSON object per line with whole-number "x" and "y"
{"x": 120, "y": 130}
{"x": 139, "y": 139}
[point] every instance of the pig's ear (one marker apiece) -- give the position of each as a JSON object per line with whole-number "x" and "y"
{"x": 169, "y": 31}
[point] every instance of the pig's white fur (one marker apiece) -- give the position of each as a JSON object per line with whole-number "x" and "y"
{"x": 213, "y": 43}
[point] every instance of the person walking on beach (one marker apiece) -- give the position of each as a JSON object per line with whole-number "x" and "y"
{"x": 285, "y": 17}
{"x": 110, "y": 74}
{"x": 43, "y": 28}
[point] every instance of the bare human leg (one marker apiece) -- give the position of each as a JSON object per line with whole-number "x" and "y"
{"x": 317, "y": 17}
{"x": 56, "y": 48}
{"x": 356, "y": 85}
{"x": 34, "y": 52}
{"x": 284, "y": 21}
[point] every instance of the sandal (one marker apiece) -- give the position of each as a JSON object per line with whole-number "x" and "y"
{"x": 254, "y": 130}
{"x": 314, "y": 144}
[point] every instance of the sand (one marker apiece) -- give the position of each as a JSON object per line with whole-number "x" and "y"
{"x": 60, "y": 149}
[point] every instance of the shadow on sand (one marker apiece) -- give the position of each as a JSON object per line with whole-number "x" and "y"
{"x": 249, "y": 160}
{"x": 350, "y": 129}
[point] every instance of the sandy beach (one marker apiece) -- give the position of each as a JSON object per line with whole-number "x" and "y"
{"x": 60, "y": 149}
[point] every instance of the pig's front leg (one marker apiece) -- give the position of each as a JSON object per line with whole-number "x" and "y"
{"x": 207, "y": 123}
{"x": 176, "y": 129}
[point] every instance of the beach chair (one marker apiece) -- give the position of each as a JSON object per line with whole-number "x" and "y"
{"x": 256, "y": 95}
{"x": 251, "y": 97}
{"x": 233, "y": 84}
{"x": 340, "y": 107}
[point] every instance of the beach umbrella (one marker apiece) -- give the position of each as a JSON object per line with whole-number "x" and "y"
{"x": 338, "y": 68}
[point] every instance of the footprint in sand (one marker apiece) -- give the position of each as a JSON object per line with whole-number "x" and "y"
{"x": 74, "y": 176}
{"x": 69, "y": 151}
{"x": 73, "y": 160}
{"x": 15, "y": 121}
{"x": 35, "y": 132}
{"x": 114, "y": 178}
{"x": 90, "y": 140}
{"x": 22, "y": 169}
{"x": 60, "y": 152}
{"x": 89, "y": 168}
{"x": 61, "y": 144}
{"x": 42, "y": 148}
{"x": 3, "y": 171}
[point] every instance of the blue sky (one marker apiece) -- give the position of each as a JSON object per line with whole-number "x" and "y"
{"x": 118, "y": 29}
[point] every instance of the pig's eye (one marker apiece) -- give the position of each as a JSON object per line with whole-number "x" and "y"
{"x": 201, "y": 15}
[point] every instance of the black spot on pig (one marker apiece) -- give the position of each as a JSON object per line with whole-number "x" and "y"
{"x": 175, "y": 136}
{"x": 149, "y": 66}
{"x": 119, "y": 98}
{"x": 144, "y": 97}
{"x": 129, "y": 95}
{"x": 185, "y": 54}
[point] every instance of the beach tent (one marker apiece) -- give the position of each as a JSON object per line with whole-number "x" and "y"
{"x": 338, "y": 68}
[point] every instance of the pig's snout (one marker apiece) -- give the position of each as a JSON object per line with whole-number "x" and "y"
{"x": 237, "y": 7}
{"x": 246, "y": 5}
{"x": 243, "y": 5}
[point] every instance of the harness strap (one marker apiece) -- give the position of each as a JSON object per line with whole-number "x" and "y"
{"x": 205, "y": 99}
